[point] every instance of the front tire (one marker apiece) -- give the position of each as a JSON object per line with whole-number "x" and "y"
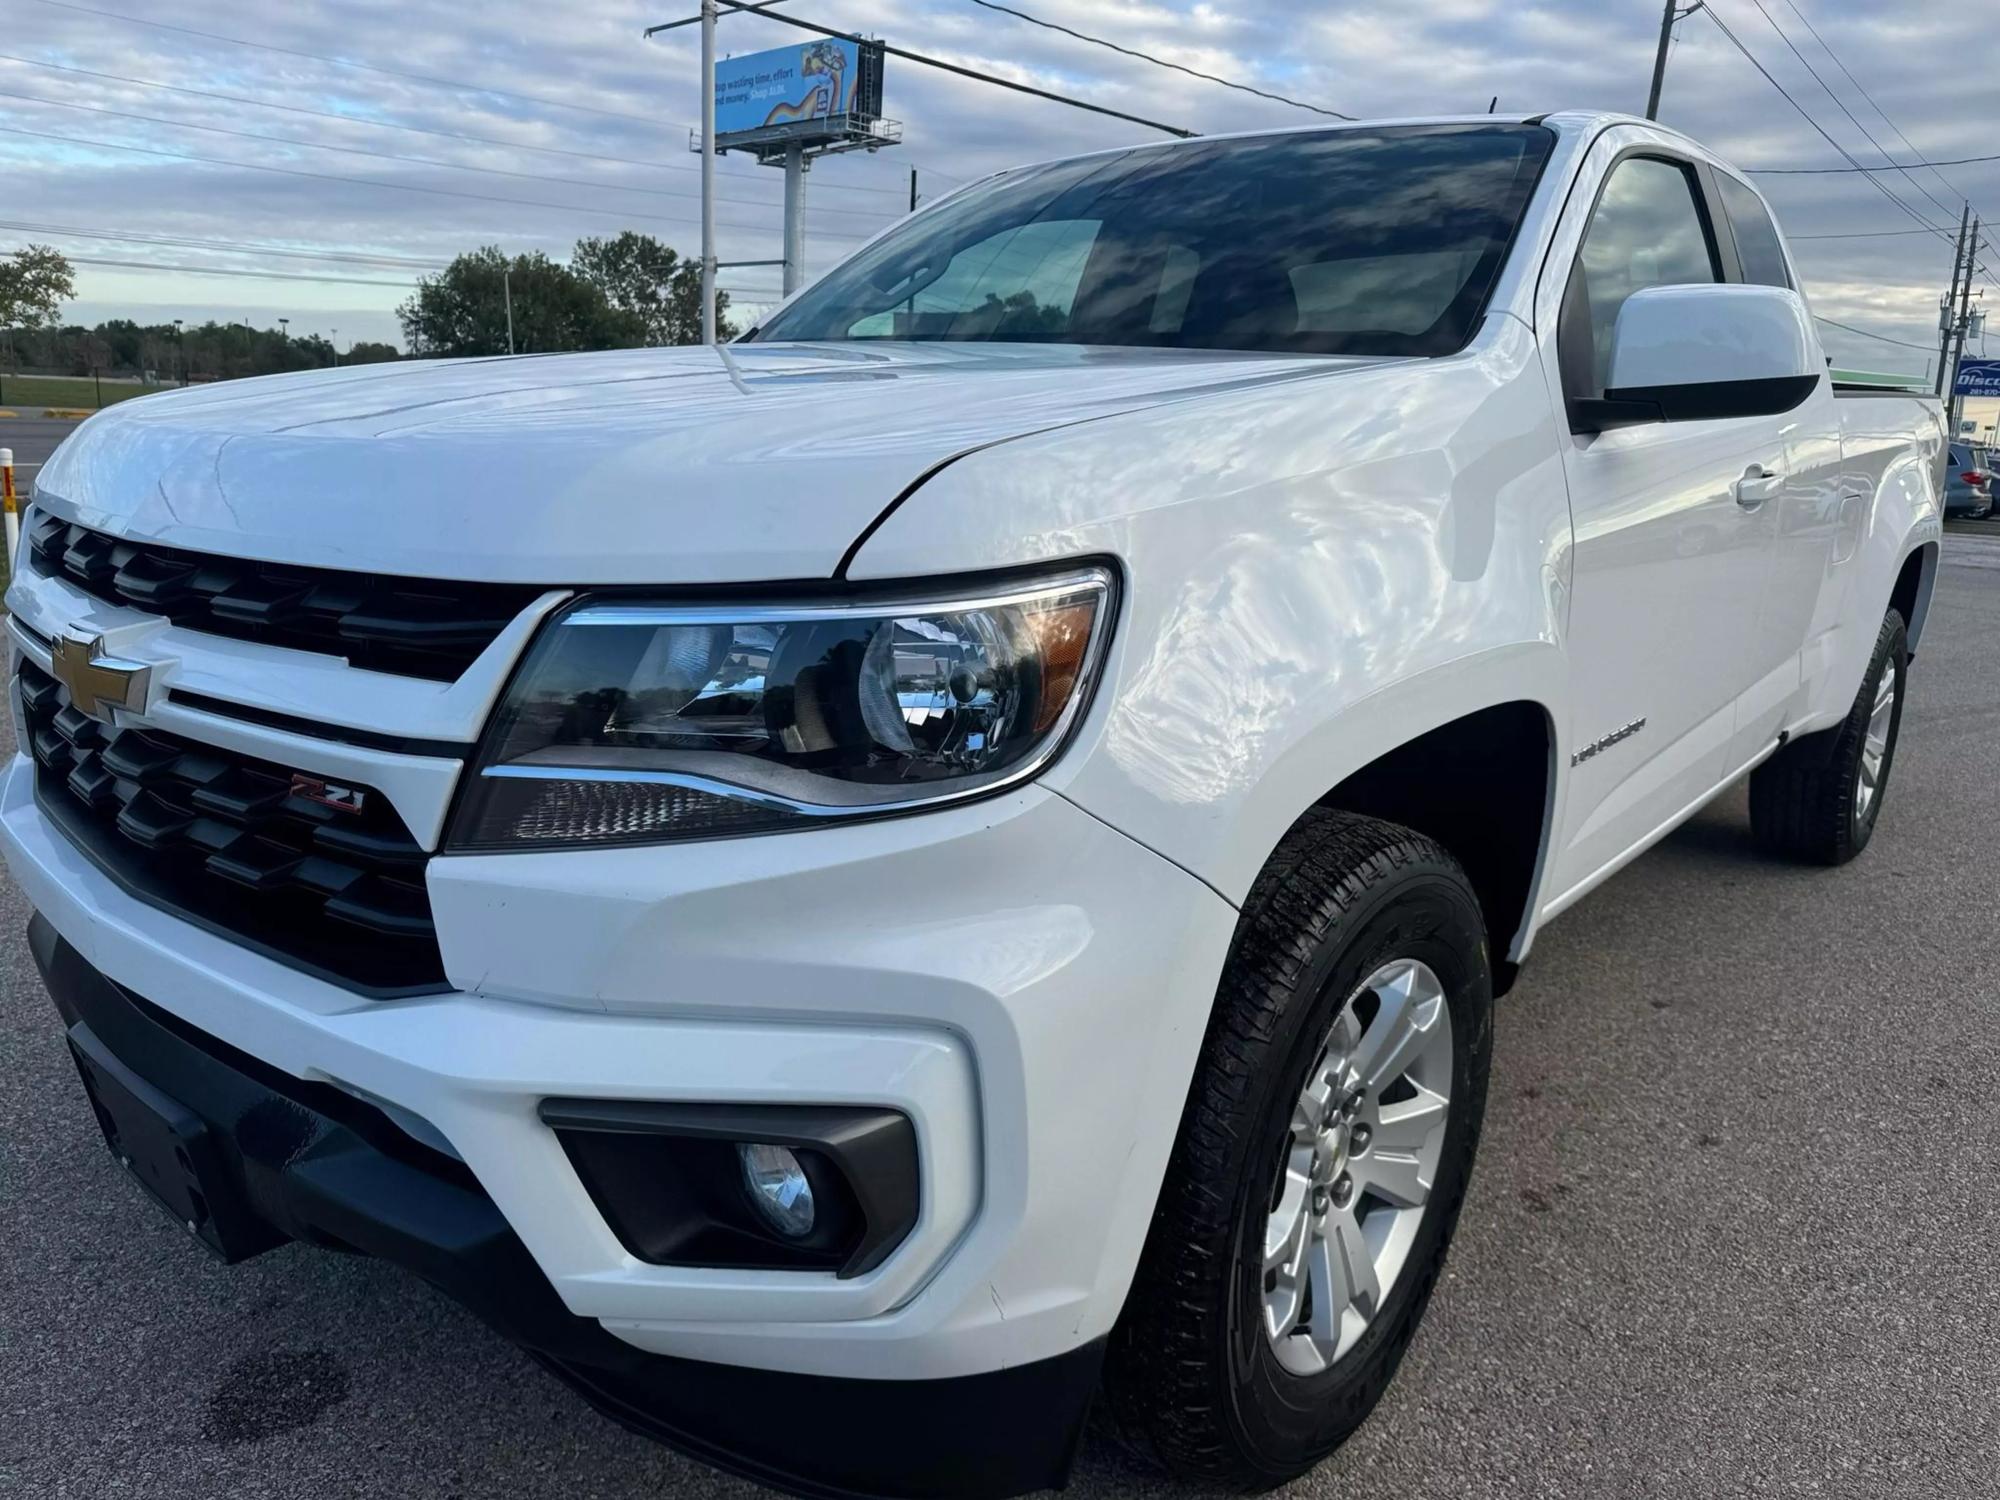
{"x": 1321, "y": 1162}
{"x": 1820, "y": 797}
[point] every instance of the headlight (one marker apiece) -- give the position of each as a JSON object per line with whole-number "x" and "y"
{"x": 638, "y": 722}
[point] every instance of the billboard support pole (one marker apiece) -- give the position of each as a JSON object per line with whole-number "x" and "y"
{"x": 708, "y": 171}
{"x": 795, "y": 217}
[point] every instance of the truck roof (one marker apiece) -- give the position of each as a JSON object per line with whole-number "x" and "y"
{"x": 1564, "y": 122}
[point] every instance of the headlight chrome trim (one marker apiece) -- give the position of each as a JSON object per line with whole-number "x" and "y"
{"x": 956, "y": 594}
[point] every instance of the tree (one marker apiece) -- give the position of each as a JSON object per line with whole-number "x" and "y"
{"x": 362, "y": 352}
{"x": 650, "y": 283}
{"x": 463, "y": 309}
{"x": 34, "y": 283}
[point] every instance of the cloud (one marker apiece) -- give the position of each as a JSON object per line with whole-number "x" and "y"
{"x": 540, "y": 124}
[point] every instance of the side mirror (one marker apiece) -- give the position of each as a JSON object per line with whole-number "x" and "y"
{"x": 1699, "y": 353}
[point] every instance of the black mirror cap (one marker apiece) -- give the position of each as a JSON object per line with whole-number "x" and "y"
{"x": 1588, "y": 414}
{"x": 1713, "y": 400}
{"x": 1704, "y": 401}
{"x": 666, "y": 1178}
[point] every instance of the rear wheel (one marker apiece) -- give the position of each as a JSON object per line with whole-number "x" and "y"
{"x": 1321, "y": 1162}
{"x": 1820, "y": 797}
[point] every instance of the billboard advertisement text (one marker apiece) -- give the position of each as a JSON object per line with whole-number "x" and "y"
{"x": 787, "y": 86}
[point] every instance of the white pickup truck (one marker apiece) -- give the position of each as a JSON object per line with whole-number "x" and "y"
{"x": 856, "y": 891}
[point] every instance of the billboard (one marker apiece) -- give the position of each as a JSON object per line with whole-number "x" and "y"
{"x": 1978, "y": 377}
{"x": 795, "y": 91}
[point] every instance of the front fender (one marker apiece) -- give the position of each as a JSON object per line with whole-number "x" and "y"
{"x": 1315, "y": 574}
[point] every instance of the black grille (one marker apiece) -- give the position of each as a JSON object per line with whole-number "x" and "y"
{"x": 227, "y": 842}
{"x": 414, "y": 627}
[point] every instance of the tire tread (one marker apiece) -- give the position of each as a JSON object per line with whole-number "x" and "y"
{"x": 1162, "y": 1380}
{"x": 1802, "y": 798}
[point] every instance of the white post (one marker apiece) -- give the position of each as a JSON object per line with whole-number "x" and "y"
{"x": 708, "y": 171}
{"x": 795, "y": 217}
{"x": 507, "y": 294}
{"x": 13, "y": 506}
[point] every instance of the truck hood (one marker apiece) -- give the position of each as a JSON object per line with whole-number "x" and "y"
{"x": 743, "y": 463}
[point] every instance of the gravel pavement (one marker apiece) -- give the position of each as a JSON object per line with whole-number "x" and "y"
{"x": 1733, "y": 1230}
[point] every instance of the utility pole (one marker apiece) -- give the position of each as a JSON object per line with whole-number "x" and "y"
{"x": 1950, "y": 300}
{"x": 913, "y": 190}
{"x": 1667, "y": 18}
{"x": 708, "y": 177}
{"x": 1956, "y": 404}
{"x": 507, "y": 296}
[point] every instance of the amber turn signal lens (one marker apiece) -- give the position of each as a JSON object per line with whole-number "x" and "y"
{"x": 1063, "y": 636}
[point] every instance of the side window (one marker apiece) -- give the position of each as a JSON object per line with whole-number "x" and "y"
{"x": 1646, "y": 232}
{"x": 1757, "y": 241}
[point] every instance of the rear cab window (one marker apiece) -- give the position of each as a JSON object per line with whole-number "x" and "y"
{"x": 1758, "y": 244}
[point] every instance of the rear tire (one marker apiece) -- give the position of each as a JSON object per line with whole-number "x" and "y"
{"x": 1820, "y": 797}
{"x": 1330, "y": 1131}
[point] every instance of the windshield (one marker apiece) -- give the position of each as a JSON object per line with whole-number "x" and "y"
{"x": 1380, "y": 241}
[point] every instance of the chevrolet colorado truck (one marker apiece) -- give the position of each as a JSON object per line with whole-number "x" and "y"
{"x": 858, "y": 891}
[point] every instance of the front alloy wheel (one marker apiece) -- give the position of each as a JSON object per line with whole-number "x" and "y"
{"x": 1363, "y": 1152}
{"x": 1322, "y": 1158}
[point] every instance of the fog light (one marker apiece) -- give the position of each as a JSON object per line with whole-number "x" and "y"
{"x": 778, "y": 1187}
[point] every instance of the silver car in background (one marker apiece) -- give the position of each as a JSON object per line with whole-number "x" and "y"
{"x": 1968, "y": 482}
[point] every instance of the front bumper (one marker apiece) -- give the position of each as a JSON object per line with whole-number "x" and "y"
{"x": 310, "y": 1162}
{"x": 1028, "y": 986}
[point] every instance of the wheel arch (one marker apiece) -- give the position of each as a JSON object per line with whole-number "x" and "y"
{"x": 1484, "y": 786}
{"x": 1915, "y": 583}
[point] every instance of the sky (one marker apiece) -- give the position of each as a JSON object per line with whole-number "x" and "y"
{"x": 372, "y": 140}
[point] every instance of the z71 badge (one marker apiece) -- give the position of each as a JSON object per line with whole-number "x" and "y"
{"x": 345, "y": 799}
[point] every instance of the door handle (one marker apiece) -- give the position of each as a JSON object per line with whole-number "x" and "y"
{"x": 1757, "y": 485}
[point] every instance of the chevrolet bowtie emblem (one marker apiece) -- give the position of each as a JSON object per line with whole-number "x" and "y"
{"x": 98, "y": 683}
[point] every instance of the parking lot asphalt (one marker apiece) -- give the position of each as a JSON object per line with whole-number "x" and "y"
{"x": 1733, "y": 1229}
{"x": 33, "y": 439}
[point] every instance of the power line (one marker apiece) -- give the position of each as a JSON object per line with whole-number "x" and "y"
{"x": 449, "y": 135}
{"x": 1159, "y": 62}
{"x": 1841, "y": 105}
{"x": 232, "y": 247}
{"x": 155, "y": 265}
{"x": 939, "y": 63}
{"x": 1873, "y": 104}
{"x": 1950, "y": 186}
{"x": 1878, "y": 337}
{"x": 1709, "y": 10}
{"x": 1954, "y": 161}
{"x": 239, "y": 247}
{"x": 345, "y": 62}
{"x": 878, "y": 216}
{"x": 463, "y": 85}
{"x": 376, "y": 182}
{"x": 1871, "y": 234}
